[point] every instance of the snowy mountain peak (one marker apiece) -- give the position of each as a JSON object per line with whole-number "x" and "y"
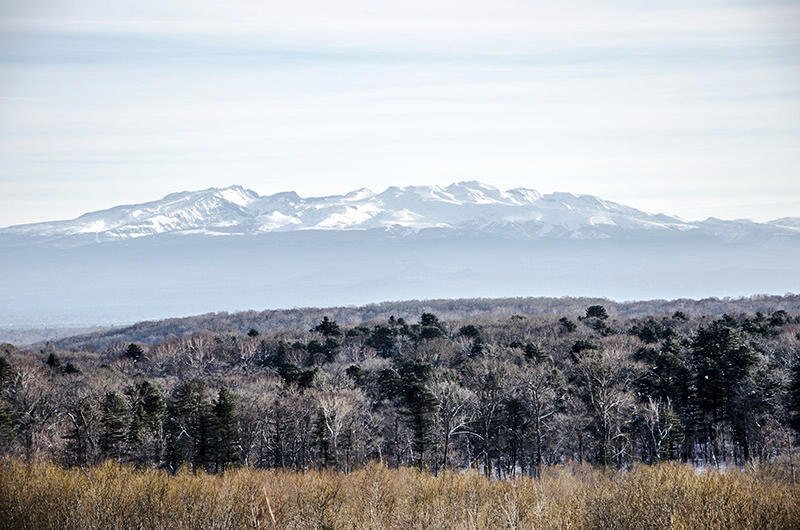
{"x": 466, "y": 205}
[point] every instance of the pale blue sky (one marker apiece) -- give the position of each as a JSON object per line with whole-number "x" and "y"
{"x": 691, "y": 108}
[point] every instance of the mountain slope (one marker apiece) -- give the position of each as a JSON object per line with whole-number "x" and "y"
{"x": 473, "y": 206}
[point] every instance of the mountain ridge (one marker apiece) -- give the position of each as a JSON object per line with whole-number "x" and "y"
{"x": 521, "y": 212}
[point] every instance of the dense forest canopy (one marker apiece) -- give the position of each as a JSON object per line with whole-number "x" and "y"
{"x": 504, "y": 394}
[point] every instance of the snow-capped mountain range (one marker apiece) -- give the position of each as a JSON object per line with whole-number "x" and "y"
{"x": 232, "y": 249}
{"x": 465, "y": 205}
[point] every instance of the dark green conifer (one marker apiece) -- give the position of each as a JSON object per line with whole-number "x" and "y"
{"x": 145, "y": 432}
{"x": 114, "y": 417}
{"x": 328, "y": 328}
{"x": 596, "y": 311}
{"x": 134, "y": 352}
{"x": 188, "y": 426}
{"x": 568, "y": 325}
{"x": 419, "y": 405}
{"x": 225, "y": 430}
{"x": 794, "y": 396}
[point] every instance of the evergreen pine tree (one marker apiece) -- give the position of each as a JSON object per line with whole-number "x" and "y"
{"x": 534, "y": 353}
{"x": 188, "y": 426}
{"x": 114, "y": 419}
{"x": 145, "y": 432}
{"x": 225, "y": 430}
{"x": 419, "y": 406}
{"x": 431, "y": 327}
{"x": 469, "y": 331}
{"x": 680, "y": 315}
{"x": 568, "y": 325}
{"x": 384, "y": 340}
{"x": 134, "y": 352}
{"x": 596, "y": 311}
{"x": 357, "y": 374}
{"x": 7, "y": 374}
{"x": 328, "y": 328}
{"x": 794, "y": 396}
{"x": 9, "y": 416}
{"x": 720, "y": 359}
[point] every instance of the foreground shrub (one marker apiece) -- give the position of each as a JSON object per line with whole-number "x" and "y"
{"x": 44, "y": 495}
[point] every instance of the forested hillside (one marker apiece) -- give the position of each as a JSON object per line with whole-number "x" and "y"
{"x": 152, "y": 332}
{"x": 504, "y": 394}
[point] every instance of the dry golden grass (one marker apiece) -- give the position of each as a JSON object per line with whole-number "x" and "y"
{"x": 44, "y": 495}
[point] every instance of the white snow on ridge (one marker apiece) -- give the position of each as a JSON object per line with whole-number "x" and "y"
{"x": 464, "y": 205}
{"x": 237, "y": 196}
{"x": 94, "y": 226}
{"x": 791, "y": 223}
{"x": 276, "y": 220}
